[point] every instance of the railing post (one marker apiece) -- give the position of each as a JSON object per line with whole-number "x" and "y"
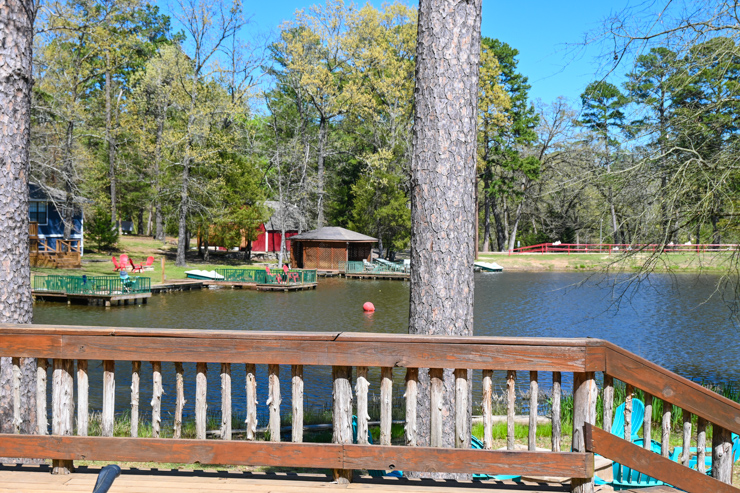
{"x": 342, "y": 415}
{"x": 584, "y": 411}
{"x": 721, "y": 454}
{"x": 62, "y": 403}
{"x": 109, "y": 398}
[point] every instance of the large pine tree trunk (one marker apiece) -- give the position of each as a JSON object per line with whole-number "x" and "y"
{"x": 159, "y": 218}
{"x": 16, "y": 53}
{"x": 443, "y": 194}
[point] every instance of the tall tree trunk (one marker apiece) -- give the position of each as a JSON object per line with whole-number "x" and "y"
{"x": 16, "y": 80}
{"x": 110, "y": 139}
{"x": 140, "y": 222}
{"x": 68, "y": 209}
{"x": 486, "y": 215}
{"x": 512, "y": 239}
{"x": 443, "y": 208}
{"x": 159, "y": 219}
{"x": 500, "y": 237}
{"x": 320, "y": 177}
{"x": 183, "y": 241}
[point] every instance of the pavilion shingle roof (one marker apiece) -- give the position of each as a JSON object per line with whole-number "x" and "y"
{"x": 332, "y": 234}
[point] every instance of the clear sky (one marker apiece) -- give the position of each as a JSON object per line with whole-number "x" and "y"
{"x": 544, "y": 31}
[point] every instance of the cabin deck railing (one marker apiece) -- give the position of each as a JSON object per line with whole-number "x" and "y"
{"x": 524, "y": 359}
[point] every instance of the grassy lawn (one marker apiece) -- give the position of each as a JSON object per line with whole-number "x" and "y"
{"x": 709, "y": 262}
{"x": 139, "y": 248}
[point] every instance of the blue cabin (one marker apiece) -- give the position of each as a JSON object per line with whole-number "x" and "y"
{"x": 48, "y": 248}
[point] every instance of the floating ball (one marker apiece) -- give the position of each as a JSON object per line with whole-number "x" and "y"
{"x": 368, "y": 307}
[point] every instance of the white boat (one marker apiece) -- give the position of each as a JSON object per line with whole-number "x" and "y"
{"x": 203, "y": 275}
{"x": 488, "y": 266}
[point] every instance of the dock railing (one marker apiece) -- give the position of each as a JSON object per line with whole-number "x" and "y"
{"x": 526, "y": 360}
{"x": 276, "y": 276}
{"x": 92, "y": 285}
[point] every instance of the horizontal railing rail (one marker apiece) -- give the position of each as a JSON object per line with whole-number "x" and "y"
{"x": 343, "y": 351}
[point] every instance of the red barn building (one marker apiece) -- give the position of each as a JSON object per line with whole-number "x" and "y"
{"x": 271, "y": 231}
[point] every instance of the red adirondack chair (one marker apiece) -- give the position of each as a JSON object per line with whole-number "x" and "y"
{"x": 276, "y": 275}
{"x": 134, "y": 267}
{"x": 116, "y": 265}
{"x": 149, "y": 262}
{"x": 124, "y": 262}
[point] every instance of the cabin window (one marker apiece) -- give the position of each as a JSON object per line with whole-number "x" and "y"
{"x": 38, "y": 212}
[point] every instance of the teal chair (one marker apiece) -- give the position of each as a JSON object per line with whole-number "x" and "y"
{"x": 623, "y": 476}
{"x": 678, "y": 451}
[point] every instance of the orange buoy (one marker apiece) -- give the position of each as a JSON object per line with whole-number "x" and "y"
{"x": 368, "y": 307}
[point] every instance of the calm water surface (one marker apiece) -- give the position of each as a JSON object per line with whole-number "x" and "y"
{"x": 672, "y": 321}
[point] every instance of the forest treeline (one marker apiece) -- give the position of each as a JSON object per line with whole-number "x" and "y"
{"x": 187, "y": 123}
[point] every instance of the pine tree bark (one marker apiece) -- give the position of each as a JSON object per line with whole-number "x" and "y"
{"x": 443, "y": 189}
{"x": 16, "y": 80}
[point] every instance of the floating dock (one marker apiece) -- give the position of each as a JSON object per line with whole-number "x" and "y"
{"x": 399, "y": 276}
{"x": 94, "y": 299}
{"x": 285, "y": 287}
{"x": 488, "y": 266}
{"x": 177, "y": 285}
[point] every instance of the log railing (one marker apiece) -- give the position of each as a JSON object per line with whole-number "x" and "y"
{"x": 222, "y": 350}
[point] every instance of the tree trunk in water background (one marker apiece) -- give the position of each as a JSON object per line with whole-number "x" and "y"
{"x": 110, "y": 141}
{"x": 320, "y": 173}
{"x": 16, "y": 50}
{"x": 443, "y": 190}
{"x": 500, "y": 236}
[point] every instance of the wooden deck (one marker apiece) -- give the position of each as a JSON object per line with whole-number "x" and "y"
{"x": 38, "y": 479}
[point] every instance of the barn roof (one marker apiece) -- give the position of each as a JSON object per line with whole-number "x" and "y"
{"x": 329, "y": 233}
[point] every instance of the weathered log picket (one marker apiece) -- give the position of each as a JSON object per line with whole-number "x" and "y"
{"x": 518, "y": 357}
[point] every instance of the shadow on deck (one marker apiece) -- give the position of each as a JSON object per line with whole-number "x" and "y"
{"x": 34, "y": 479}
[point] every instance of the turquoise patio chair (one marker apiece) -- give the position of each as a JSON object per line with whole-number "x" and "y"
{"x": 678, "y": 451}
{"x": 622, "y": 474}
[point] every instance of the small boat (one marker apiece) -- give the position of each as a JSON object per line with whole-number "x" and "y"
{"x": 488, "y": 266}
{"x": 203, "y": 275}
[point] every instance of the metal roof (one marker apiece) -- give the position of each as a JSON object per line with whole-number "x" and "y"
{"x": 330, "y": 233}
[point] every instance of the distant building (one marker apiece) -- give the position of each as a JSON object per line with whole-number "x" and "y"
{"x": 271, "y": 232}
{"x": 47, "y": 245}
{"x": 330, "y": 248}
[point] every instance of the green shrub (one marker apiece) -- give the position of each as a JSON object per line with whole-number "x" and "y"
{"x": 101, "y": 231}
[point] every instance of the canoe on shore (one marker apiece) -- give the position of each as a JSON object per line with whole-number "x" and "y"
{"x": 488, "y": 267}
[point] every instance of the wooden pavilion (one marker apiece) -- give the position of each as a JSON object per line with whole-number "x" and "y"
{"x": 329, "y": 248}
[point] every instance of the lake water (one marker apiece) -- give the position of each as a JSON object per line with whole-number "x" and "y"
{"x": 673, "y": 321}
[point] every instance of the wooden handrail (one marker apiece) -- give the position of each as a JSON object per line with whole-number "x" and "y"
{"x": 341, "y": 351}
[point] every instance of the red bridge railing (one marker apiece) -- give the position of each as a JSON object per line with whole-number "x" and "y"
{"x": 610, "y": 248}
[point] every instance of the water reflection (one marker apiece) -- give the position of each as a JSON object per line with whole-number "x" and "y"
{"x": 670, "y": 321}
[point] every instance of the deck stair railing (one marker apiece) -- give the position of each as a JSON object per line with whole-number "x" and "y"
{"x": 525, "y": 361}
{"x": 92, "y": 285}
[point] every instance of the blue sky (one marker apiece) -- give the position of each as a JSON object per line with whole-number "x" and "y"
{"x": 544, "y": 31}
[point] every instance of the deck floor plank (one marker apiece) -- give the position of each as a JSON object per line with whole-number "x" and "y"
{"x": 37, "y": 479}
